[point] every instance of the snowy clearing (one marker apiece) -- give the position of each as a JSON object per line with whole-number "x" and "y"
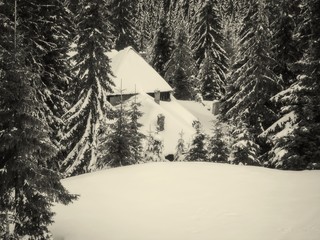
{"x": 191, "y": 201}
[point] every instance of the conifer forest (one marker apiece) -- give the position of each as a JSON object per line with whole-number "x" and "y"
{"x": 260, "y": 59}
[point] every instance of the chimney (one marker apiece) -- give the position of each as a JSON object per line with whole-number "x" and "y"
{"x": 157, "y": 96}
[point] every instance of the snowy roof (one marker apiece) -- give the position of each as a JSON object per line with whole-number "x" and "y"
{"x": 132, "y": 72}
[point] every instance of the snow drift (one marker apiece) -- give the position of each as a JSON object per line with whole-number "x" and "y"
{"x": 191, "y": 201}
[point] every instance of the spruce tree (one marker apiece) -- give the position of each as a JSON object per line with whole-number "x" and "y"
{"x": 28, "y": 184}
{"x": 89, "y": 88}
{"x": 122, "y": 145}
{"x": 217, "y": 147}
{"x": 244, "y": 150}
{"x": 212, "y": 87}
{"x": 198, "y": 149}
{"x": 285, "y": 46}
{"x": 286, "y": 50}
{"x": 123, "y": 20}
{"x": 181, "y": 68}
{"x": 162, "y": 46}
{"x": 47, "y": 35}
{"x": 56, "y": 29}
{"x": 207, "y": 41}
{"x": 136, "y": 137}
{"x": 253, "y": 80}
{"x": 297, "y": 144}
{"x": 115, "y": 147}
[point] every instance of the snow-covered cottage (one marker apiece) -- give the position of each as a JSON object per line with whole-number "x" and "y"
{"x": 132, "y": 74}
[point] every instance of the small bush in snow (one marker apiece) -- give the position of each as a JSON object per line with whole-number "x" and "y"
{"x": 154, "y": 148}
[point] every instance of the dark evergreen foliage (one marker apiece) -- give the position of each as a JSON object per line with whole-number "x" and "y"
{"x": 198, "y": 149}
{"x": 181, "y": 68}
{"x": 212, "y": 86}
{"x": 207, "y": 42}
{"x": 136, "y": 136}
{"x": 217, "y": 148}
{"x": 301, "y": 146}
{"x": 294, "y": 139}
{"x": 89, "y": 89}
{"x": 123, "y": 144}
{"x": 28, "y": 184}
{"x": 244, "y": 150}
{"x": 253, "y": 81}
{"x": 115, "y": 147}
{"x": 285, "y": 46}
{"x": 162, "y": 47}
{"x": 123, "y": 19}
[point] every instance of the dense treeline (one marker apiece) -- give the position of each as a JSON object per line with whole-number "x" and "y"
{"x": 260, "y": 59}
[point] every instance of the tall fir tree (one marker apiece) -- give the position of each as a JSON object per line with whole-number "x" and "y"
{"x": 252, "y": 81}
{"x": 207, "y": 44}
{"x": 284, "y": 18}
{"x": 212, "y": 87}
{"x": 90, "y": 88}
{"x": 115, "y": 146}
{"x": 286, "y": 51}
{"x": 123, "y": 144}
{"x": 123, "y": 20}
{"x": 295, "y": 144}
{"x": 181, "y": 67}
{"x": 28, "y": 184}
{"x": 136, "y": 136}
{"x": 57, "y": 29}
{"x": 162, "y": 46}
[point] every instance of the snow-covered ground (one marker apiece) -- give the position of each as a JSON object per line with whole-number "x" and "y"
{"x": 191, "y": 201}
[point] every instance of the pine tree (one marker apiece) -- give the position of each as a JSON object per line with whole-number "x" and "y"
{"x": 123, "y": 20}
{"x": 198, "y": 149}
{"x": 90, "y": 88}
{"x": 252, "y": 78}
{"x": 28, "y": 184}
{"x": 218, "y": 149}
{"x": 207, "y": 41}
{"x": 162, "y": 46}
{"x": 181, "y": 68}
